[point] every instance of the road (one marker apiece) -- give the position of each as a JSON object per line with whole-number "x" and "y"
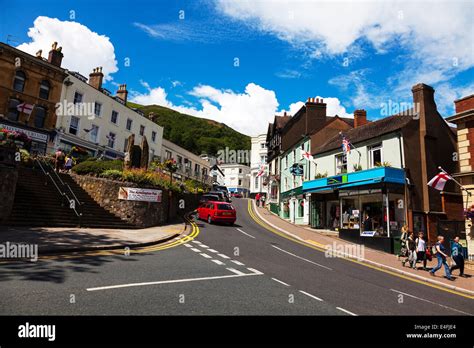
{"x": 233, "y": 270}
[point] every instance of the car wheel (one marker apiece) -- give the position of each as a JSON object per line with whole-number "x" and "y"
{"x": 209, "y": 220}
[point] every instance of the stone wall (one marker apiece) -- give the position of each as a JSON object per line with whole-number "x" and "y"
{"x": 8, "y": 180}
{"x": 141, "y": 214}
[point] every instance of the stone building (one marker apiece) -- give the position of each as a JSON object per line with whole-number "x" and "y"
{"x": 30, "y": 87}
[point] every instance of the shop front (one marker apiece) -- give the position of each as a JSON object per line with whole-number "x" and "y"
{"x": 39, "y": 138}
{"x": 294, "y": 206}
{"x": 366, "y": 207}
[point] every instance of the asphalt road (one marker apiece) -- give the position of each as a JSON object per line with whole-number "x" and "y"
{"x": 237, "y": 270}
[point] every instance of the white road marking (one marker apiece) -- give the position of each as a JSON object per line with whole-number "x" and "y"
{"x": 206, "y": 256}
{"x": 302, "y": 258}
{"x": 196, "y": 250}
{"x": 218, "y": 262}
{"x": 248, "y": 235}
{"x": 203, "y": 246}
{"x": 212, "y": 250}
{"x": 425, "y": 300}
{"x": 235, "y": 271}
{"x": 171, "y": 281}
{"x": 279, "y": 281}
{"x": 316, "y": 298}
{"x": 254, "y": 270}
{"x": 188, "y": 245}
{"x": 196, "y": 241}
{"x": 237, "y": 262}
{"x": 223, "y": 256}
{"x": 346, "y": 311}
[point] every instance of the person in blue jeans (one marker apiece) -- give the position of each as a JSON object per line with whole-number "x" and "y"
{"x": 441, "y": 256}
{"x": 458, "y": 256}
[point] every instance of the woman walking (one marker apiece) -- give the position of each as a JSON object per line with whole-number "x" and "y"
{"x": 411, "y": 246}
{"x": 458, "y": 256}
{"x": 441, "y": 256}
{"x": 421, "y": 249}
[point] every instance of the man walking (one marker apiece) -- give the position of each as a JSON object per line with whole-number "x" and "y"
{"x": 458, "y": 256}
{"x": 441, "y": 256}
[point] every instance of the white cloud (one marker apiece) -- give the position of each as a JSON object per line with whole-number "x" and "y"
{"x": 83, "y": 49}
{"x": 435, "y": 35}
{"x": 248, "y": 112}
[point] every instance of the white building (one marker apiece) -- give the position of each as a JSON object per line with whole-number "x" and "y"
{"x": 190, "y": 166}
{"x": 258, "y": 162}
{"x": 91, "y": 118}
{"x": 236, "y": 177}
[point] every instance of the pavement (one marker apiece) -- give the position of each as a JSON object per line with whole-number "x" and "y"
{"x": 329, "y": 239}
{"x": 245, "y": 269}
{"x": 51, "y": 240}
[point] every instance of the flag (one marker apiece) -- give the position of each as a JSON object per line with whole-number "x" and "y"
{"x": 308, "y": 156}
{"x": 346, "y": 145}
{"x": 26, "y": 108}
{"x": 439, "y": 181}
{"x": 262, "y": 170}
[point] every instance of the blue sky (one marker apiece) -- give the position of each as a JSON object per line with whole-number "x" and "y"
{"x": 240, "y": 62}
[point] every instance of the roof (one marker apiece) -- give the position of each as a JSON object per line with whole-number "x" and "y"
{"x": 368, "y": 131}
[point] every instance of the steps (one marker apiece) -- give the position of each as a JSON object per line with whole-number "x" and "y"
{"x": 38, "y": 204}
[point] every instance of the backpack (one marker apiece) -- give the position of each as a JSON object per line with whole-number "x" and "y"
{"x": 434, "y": 251}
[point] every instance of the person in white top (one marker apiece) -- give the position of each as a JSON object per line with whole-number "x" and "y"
{"x": 421, "y": 249}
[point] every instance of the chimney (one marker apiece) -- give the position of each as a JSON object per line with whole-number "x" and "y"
{"x": 360, "y": 117}
{"x": 39, "y": 53}
{"x": 96, "y": 78}
{"x": 316, "y": 109}
{"x": 122, "y": 93}
{"x": 464, "y": 104}
{"x": 55, "y": 55}
{"x": 151, "y": 116}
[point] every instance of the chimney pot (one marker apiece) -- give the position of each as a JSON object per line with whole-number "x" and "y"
{"x": 55, "y": 56}
{"x": 96, "y": 78}
{"x": 122, "y": 92}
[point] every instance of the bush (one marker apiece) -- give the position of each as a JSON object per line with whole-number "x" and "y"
{"x": 113, "y": 174}
{"x": 97, "y": 167}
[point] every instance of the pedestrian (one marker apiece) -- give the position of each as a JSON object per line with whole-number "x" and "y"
{"x": 458, "y": 256}
{"x": 442, "y": 258}
{"x": 411, "y": 247}
{"x": 403, "y": 242}
{"x": 257, "y": 199}
{"x": 68, "y": 164}
{"x": 421, "y": 249}
{"x": 262, "y": 199}
{"x": 60, "y": 158}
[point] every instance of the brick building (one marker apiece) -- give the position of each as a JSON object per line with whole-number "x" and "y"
{"x": 31, "y": 81}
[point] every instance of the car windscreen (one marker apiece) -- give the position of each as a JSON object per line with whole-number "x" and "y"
{"x": 224, "y": 207}
{"x": 210, "y": 198}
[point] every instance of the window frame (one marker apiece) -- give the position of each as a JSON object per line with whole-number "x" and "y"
{"x": 44, "y": 83}
{"x": 21, "y": 78}
{"x": 78, "y": 125}
{"x": 339, "y": 168}
{"x": 116, "y": 118}
{"x": 371, "y": 149}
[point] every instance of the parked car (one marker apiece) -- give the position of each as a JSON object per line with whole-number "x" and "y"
{"x": 217, "y": 212}
{"x": 208, "y": 197}
{"x": 224, "y": 196}
{"x": 236, "y": 194}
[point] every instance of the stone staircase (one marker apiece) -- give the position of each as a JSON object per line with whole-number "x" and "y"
{"x": 38, "y": 203}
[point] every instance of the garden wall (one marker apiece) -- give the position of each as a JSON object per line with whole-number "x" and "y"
{"x": 8, "y": 180}
{"x": 140, "y": 214}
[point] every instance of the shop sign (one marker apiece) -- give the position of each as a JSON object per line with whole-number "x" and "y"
{"x": 367, "y": 233}
{"x": 33, "y": 135}
{"x": 296, "y": 169}
{"x": 335, "y": 180}
{"x": 138, "y": 194}
{"x": 359, "y": 192}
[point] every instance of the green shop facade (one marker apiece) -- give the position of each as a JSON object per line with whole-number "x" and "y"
{"x": 366, "y": 207}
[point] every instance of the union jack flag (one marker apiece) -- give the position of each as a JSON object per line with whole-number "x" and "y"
{"x": 346, "y": 145}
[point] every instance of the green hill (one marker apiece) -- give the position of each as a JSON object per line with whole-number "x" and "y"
{"x": 195, "y": 134}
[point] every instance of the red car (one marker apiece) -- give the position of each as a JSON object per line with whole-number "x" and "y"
{"x": 217, "y": 212}
{"x": 236, "y": 195}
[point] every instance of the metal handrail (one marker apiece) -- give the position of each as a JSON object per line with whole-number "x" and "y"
{"x": 62, "y": 193}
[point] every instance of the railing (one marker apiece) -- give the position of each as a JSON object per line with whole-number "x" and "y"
{"x": 61, "y": 187}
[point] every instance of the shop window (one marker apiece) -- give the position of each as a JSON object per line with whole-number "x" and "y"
{"x": 74, "y": 125}
{"x": 40, "y": 116}
{"x": 44, "y": 90}
{"x": 375, "y": 156}
{"x": 341, "y": 164}
{"x": 373, "y": 214}
{"x": 300, "y": 208}
{"x": 350, "y": 217}
{"x": 13, "y": 113}
{"x": 19, "y": 81}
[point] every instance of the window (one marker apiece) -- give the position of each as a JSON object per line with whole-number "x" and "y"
{"x": 40, "y": 116}
{"x": 125, "y": 145}
{"x": 129, "y": 124}
{"x": 114, "y": 117}
{"x": 74, "y": 125}
{"x": 168, "y": 154}
{"x": 77, "y": 98}
{"x": 111, "y": 140}
{"x": 13, "y": 113}
{"x": 256, "y": 182}
{"x": 240, "y": 170}
{"x": 94, "y": 133}
{"x": 44, "y": 90}
{"x": 97, "y": 109}
{"x": 341, "y": 163}
{"x": 240, "y": 182}
{"x": 262, "y": 145}
{"x": 19, "y": 81}
{"x": 375, "y": 155}
{"x": 153, "y": 136}
{"x": 286, "y": 161}
{"x": 263, "y": 159}
{"x": 142, "y": 130}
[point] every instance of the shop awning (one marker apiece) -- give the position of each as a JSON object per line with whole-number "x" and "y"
{"x": 360, "y": 178}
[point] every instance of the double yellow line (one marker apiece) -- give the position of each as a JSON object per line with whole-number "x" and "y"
{"x": 322, "y": 248}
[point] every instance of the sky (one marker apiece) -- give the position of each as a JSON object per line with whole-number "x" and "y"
{"x": 241, "y": 62}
